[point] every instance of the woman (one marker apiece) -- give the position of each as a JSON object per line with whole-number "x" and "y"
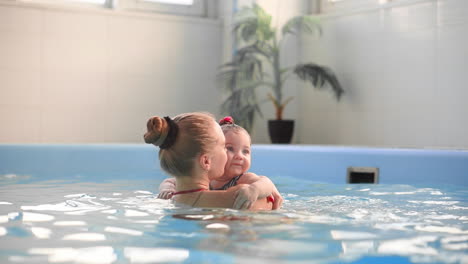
{"x": 192, "y": 149}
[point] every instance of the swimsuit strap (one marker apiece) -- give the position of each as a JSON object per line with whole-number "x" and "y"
{"x": 229, "y": 184}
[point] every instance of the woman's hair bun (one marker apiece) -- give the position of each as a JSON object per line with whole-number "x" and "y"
{"x": 228, "y": 120}
{"x": 162, "y": 132}
{"x": 158, "y": 128}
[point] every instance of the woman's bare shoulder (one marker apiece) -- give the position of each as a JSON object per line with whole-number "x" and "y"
{"x": 217, "y": 199}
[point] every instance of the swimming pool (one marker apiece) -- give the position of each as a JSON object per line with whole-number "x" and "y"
{"x": 96, "y": 204}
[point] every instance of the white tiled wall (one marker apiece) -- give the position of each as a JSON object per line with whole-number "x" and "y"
{"x": 83, "y": 76}
{"x": 404, "y": 70}
{"x": 86, "y": 77}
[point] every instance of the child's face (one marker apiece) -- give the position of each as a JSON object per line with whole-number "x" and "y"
{"x": 238, "y": 153}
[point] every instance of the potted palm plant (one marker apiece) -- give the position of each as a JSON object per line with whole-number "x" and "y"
{"x": 257, "y": 64}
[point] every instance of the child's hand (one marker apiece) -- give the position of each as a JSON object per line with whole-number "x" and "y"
{"x": 278, "y": 199}
{"x": 167, "y": 188}
{"x": 246, "y": 195}
{"x": 166, "y": 194}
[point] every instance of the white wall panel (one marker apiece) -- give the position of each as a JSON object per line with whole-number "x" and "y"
{"x": 74, "y": 88}
{"x": 20, "y": 51}
{"x": 20, "y": 20}
{"x": 91, "y": 77}
{"x": 403, "y": 68}
{"x": 74, "y": 123}
{"x": 20, "y": 123}
{"x": 20, "y": 87}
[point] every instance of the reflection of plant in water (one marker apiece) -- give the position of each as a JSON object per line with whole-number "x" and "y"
{"x": 257, "y": 64}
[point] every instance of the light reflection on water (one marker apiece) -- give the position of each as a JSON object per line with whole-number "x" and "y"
{"x": 123, "y": 222}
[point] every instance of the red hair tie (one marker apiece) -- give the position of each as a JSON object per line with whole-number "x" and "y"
{"x": 226, "y": 120}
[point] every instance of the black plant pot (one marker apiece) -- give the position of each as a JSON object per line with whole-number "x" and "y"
{"x": 281, "y": 131}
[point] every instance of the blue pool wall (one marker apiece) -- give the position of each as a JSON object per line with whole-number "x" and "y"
{"x": 320, "y": 164}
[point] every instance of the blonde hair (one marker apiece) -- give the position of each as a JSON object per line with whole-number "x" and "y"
{"x": 228, "y": 125}
{"x": 193, "y": 136}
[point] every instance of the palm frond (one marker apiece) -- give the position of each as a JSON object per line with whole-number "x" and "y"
{"x": 245, "y": 24}
{"x": 318, "y": 76}
{"x": 242, "y": 105}
{"x": 246, "y": 51}
{"x": 253, "y": 24}
{"x": 306, "y": 24}
{"x": 251, "y": 66}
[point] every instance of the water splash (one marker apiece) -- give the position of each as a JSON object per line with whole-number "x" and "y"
{"x": 327, "y": 223}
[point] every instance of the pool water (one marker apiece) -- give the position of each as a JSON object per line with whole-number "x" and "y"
{"x": 80, "y": 221}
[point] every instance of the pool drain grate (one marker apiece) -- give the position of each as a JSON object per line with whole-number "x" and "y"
{"x": 362, "y": 175}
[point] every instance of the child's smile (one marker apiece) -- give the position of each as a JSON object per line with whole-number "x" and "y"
{"x": 238, "y": 153}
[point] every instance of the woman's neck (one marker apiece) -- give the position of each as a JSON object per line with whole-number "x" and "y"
{"x": 188, "y": 183}
{"x": 216, "y": 184}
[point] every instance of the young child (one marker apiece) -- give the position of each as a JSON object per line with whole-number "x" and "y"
{"x": 238, "y": 144}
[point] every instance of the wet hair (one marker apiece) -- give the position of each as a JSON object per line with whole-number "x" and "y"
{"x": 181, "y": 140}
{"x": 228, "y": 125}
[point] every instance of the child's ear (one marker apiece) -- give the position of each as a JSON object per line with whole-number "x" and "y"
{"x": 205, "y": 162}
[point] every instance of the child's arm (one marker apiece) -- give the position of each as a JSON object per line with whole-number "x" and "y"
{"x": 258, "y": 187}
{"x": 225, "y": 199}
{"x": 167, "y": 188}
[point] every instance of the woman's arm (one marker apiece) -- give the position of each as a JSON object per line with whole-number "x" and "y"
{"x": 225, "y": 199}
{"x": 262, "y": 184}
{"x": 258, "y": 187}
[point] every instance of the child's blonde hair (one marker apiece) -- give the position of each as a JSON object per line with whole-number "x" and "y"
{"x": 228, "y": 125}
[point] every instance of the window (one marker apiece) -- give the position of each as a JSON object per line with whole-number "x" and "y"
{"x": 178, "y": 7}
{"x": 175, "y": 2}
{"x": 196, "y": 8}
{"x": 71, "y": 2}
{"x": 331, "y": 6}
{"x": 98, "y": 2}
{"x": 346, "y": 5}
